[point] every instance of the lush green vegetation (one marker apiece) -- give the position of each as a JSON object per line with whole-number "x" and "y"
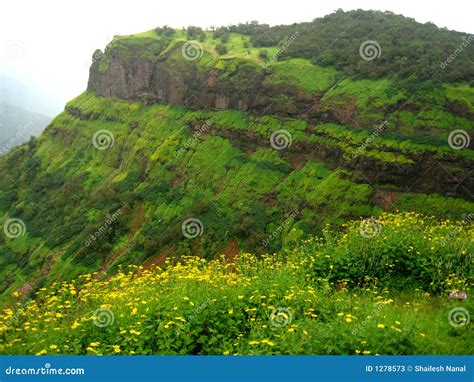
{"x": 407, "y": 47}
{"x": 104, "y": 192}
{"x": 419, "y": 105}
{"x": 338, "y": 294}
{"x": 160, "y": 172}
{"x": 305, "y": 75}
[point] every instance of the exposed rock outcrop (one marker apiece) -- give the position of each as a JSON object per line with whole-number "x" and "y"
{"x": 181, "y": 82}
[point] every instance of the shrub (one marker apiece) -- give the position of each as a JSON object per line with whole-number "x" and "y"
{"x": 221, "y": 49}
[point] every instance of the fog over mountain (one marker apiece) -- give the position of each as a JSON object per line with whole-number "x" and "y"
{"x": 17, "y": 125}
{"x": 28, "y": 96}
{"x": 24, "y": 112}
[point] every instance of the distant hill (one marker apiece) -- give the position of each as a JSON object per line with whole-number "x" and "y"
{"x": 28, "y": 96}
{"x": 17, "y": 125}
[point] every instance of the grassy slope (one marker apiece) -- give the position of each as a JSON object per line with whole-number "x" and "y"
{"x": 158, "y": 173}
{"x": 316, "y": 298}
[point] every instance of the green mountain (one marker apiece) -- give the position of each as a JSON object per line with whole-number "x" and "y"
{"x": 257, "y": 139}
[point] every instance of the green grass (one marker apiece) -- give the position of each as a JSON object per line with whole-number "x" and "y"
{"x": 302, "y": 73}
{"x": 341, "y": 294}
{"x": 229, "y": 176}
{"x": 462, "y": 93}
{"x": 368, "y": 93}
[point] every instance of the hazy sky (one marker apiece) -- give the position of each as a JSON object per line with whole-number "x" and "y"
{"x": 48, "y": 44}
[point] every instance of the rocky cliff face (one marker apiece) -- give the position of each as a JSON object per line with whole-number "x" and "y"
{"x": 181, "y": 82}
